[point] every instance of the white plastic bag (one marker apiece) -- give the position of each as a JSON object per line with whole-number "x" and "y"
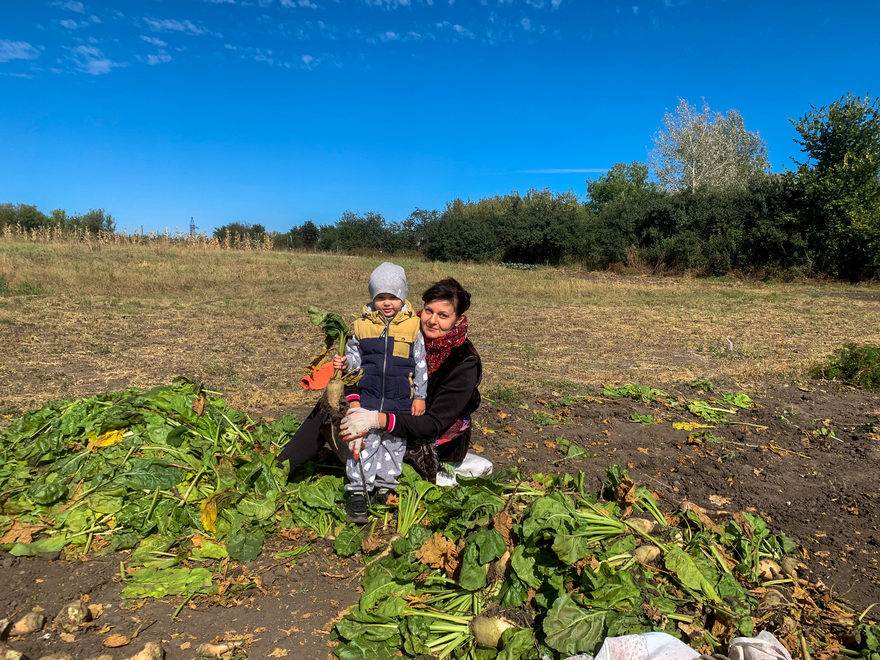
{"x": 763, "y": 647}
{"x": 471, "y": 466}
{"x": 646, "y": 646}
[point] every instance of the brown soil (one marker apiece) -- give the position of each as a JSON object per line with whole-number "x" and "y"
{"x": 819, "y": 487}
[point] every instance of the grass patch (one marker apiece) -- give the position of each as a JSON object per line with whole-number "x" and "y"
{"x": 24, "y": 288}
{"x": 511, "y": 397}
{"x": 855, "y": 365}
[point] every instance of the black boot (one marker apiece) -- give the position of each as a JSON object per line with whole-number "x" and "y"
{"x": 356, "y": 508}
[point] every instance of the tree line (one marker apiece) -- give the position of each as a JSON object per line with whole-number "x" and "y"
{"x": 28, "y": 217}
{"x": 705, "y": 202}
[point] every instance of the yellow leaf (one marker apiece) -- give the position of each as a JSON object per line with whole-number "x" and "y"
{"x": 106, "y": 439}
{"x": 209, "y": 514}
{"x": 689, "y": 426}
{"x": 213, "y": 505}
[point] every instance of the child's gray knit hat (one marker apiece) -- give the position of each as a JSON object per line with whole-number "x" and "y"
{"x": 388, "y": 278}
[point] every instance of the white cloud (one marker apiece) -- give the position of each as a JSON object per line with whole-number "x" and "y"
{"x": 17, "y": 50}
{"x": 526, "y": 24}
{"x": 173, "y": 25}
{"x": 576, "y": 170}
{"x": 459, "y": 30}
{"x": 154, "y": 41}
{"x": 221, "y": 2}
{"x": 291, "y": 4}
{"x": 92, "y": 61}
{"x": 387, "y": 4}
{"x": 69, "y": 24}
{"x": 307, "y": 59}
{"x": 389, "y": 36}
{"x": 74, "y": 6}
{"x": 161, "y": 58}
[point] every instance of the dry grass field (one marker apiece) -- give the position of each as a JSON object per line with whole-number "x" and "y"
{"x": 79, "y": 319}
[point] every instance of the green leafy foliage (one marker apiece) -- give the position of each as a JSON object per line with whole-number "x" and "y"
{"x": 336, "y": 330}
{"x": 159, "y": 582}
{"x": 856, "y": 365}
{"x": 636, "y": 392}
{"x": 569, "y": 561}
{"x": 146, "y": 470}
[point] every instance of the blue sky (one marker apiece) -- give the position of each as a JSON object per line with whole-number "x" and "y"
{"x": 282, "y": 111}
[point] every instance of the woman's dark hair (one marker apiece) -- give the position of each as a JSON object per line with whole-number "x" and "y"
{"x": 450, "y": 290}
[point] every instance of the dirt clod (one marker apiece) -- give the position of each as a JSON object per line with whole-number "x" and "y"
{"x": 152, "y": 651}
{"x": 30, "y": 623}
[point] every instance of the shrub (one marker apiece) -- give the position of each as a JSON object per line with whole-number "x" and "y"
{"x": 856, "y": 365}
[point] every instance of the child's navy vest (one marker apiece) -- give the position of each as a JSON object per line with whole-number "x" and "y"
{"x": 387, "y": 360}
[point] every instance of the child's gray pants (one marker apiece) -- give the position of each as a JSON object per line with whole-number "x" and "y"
{"x": 382, "y": 460}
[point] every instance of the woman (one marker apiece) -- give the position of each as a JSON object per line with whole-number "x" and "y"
{"x": 454, "y": 371}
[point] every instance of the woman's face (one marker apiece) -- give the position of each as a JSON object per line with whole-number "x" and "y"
{"x": 438, "y": 318}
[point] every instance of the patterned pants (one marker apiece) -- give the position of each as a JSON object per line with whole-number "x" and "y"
{"x": 382, "y": 460}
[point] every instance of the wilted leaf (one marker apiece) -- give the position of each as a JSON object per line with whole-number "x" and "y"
{"x": 690, "y": 426}
{"x": 105, "y": 440}
{"x": 20, "y": 532}
{"x": 160, "y": 582}
{"x": 438, "y": 552}
{"x": 198, "y": 405}
{"x": 212, "y": 507}
{"x": 116, "y": 640}
{"x": 625, "y": 496}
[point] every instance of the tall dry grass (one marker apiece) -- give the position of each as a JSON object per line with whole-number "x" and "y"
{"x": 118, "y": 315}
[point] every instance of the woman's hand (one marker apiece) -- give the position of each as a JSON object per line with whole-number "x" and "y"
{"x": 357, "y": 423}
{"x": 340, "y": 362}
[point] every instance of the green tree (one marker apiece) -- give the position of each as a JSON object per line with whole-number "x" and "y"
{"x": 29, "y": 216}
{"x": 694, "y": 150}
{"x": 621, "y": 182}
{"x": 234, "y": 230}
{"x": 309, "y": 235}
{"x": 839, "y": 185}
{"x": 94, "y": 221}
{"x": 367, "y": 232}
{"x": 410, "y": 233}
{"x": 468, "y": 231}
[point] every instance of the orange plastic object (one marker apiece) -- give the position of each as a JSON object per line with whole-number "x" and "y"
{"x": 319, "y": 377}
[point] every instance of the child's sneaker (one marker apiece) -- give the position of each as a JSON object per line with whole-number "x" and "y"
{"x": 381, "y": 495}
{"x": 356, "y": 508}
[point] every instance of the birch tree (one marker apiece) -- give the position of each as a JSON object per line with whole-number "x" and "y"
{"x": 705, "y": 149}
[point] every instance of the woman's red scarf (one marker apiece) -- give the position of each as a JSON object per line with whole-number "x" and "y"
{"x": 437, "y": 350}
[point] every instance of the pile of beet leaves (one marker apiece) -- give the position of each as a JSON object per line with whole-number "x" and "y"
{"x": 505, "y": 566}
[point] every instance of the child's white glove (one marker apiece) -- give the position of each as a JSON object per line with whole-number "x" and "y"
{"x": 355, "y": 446}
{"x": 357, "y": 423}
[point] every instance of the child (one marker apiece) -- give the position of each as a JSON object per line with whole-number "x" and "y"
{"x": 387, "y": 344}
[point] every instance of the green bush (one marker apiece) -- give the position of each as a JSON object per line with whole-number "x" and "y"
{"x": 856, "y": 365}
